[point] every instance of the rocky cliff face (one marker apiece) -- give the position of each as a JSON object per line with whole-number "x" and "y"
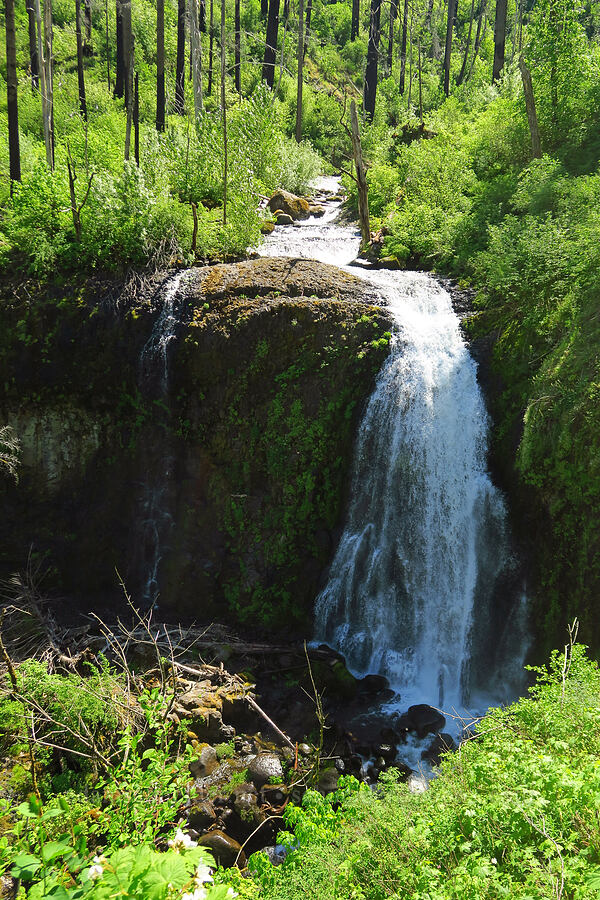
{"x": 202, "y": 454}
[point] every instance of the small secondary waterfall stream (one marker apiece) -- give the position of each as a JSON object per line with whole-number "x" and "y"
{"x": 418, "y": 589}
{"x": 155, "y": 517}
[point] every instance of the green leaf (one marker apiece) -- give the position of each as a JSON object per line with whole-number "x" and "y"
{"x": 25, "y": 866}
{"x": 54, "y": 849}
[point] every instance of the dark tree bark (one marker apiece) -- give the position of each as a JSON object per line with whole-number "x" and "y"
{"x": 448, "y": 51}
{"x": 211, "y": 35}
{"x": 136, "y": 120}
{"x": 33, "y": 53}
{"x": 48, "y": 86}
{"x": 268, "y": 72}
{"x": 264, "y": 8}
{"x": 286, "y": 11}
{"x": 202, "y": 16}
{"x": 390, "y": 53}
{"x": 14, "y": 152}
{"x": 403, "y": 47}
{"x": 80, "y": 75}
{"x": 300, "y": 70}
{"x": 463, "y": 68}
{"x": 478, "y": 37}
{"x": 120, "y": 73}
{"x": 107, "y": 47}
{"x": 370, "y": 92}
{"x": 237, "y": 51}
{"x": 499, "y": 39}
{"x": 355, "y": 25}
{"x": 160, "y": 65}
{"x": 224, "y": 112}
{"x": 87, "y": 44}
{"x": 307, "y": 28}
{"x": 180, "y": 64}
{"x": 127, "y": 55}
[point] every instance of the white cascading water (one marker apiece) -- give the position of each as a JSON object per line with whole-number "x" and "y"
{"x": 410, "y": 592}
{"x": 155, "y": 518}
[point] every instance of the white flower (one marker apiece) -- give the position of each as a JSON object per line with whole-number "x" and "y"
{"x": 494, "y": 861}
{"x": 97, "y": 869}
{"x": 231, "y": 893}
{"x": 199, "y": 894}
{"x": 203, "y": 875}
{"x": 181, "y": 841}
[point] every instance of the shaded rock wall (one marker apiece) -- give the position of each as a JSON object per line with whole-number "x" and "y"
{"x": 237, "y": 472}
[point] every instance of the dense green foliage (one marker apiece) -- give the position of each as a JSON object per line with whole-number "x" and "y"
{"x": 512, "y": 814}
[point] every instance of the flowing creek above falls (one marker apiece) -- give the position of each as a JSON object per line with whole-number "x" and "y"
{"x": 423, "y": 588}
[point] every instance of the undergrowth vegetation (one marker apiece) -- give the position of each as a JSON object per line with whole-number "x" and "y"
{"x": 513, "y": 813}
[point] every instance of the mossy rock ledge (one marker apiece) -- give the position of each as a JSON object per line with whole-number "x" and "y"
{"x": 238, "y": 460}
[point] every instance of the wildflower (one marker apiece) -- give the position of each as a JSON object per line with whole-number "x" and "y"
{"x": 97, "y": 869}
{"x": 203, "y": 875}
{"x": 199, "y": 894}
{"x": 230, "y": 894}
{"x": 181, "y": 841}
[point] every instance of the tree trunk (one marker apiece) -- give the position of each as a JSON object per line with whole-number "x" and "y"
{"x": 43, "y": 92}
{"x": 268, "y": 72}
{"x": 300, "y": 70}
{"x": 403, "y": 47}
{"x": 196, "y": 59}
{"x": 420, "y": 84}
{"x": 160, "y": 65}
{"x": 355, "y": 26}
{"x": 180, "y": 64}
{"x": 120, "y": 73}
{"x": 80, "y": 75}
{"x": 499, "y": 38}
{"x": 237, "y": 41}
{"x": 107, "y": 47}
{"x": 136, "y": 121}
{"x": 307, "y": 29}
{"x": 128, "y": 73}
{"x": 49, "y": 81}
{"x": 448, "y": 50}
{"x": 463, "y": 68}
{"x": 361, "y": 178}
{"x": 478, "y": 37}
{"x": 14, "y": 151}
{"x": 202, "y": 16}
{"x": 224, "y": 112}
{"x": 211, "y": 35}
{"x": 264, "y": 8}
{"x": 536, "y": 144}
{"x": 33, "y": 53}
{"x": 370, "y": 92}
{"x": 390, "y": 53}
{"x": 87, "y": 44}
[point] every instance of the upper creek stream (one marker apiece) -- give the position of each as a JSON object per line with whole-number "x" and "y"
{"x": 417, "y": 589}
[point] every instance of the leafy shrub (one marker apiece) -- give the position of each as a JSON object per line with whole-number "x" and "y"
{"x": 512, "y": 814}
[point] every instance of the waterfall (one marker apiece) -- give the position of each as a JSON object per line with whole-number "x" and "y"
{"x": 426, "y": 535}
{"x": 155, "y": 517}
{"x": 423, "y": 587}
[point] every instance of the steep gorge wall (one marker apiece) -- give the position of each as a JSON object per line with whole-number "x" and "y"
{"x": 240, "y": 467}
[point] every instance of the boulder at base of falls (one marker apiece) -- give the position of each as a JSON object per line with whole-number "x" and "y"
{"x": 422, "y": 719}
{"x": 225, "y": 849}
{"x": 264, "y": 767}
{"x": 296, "y": 207}
{"x": 442, "y": 743}
{"x": 283, "y": 218}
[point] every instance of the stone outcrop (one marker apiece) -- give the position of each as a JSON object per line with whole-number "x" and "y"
{"x": 289, "y": 204}
{"x": 228, "y": 482}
